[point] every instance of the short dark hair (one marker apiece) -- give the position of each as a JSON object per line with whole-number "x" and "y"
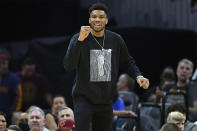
{"x": 3, "y": 114}
{"x": 99, "y": 6}
{"x": 14, "y": 127}
{"x": 29, "y": 61}
{"x": 177, "y": 107}
{"x": 59, "y": 95}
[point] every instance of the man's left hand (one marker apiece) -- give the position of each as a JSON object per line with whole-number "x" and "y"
{"x": 143, "y": 82}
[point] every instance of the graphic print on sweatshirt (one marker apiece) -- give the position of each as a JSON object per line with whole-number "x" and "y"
{"x": 100, "y": 65}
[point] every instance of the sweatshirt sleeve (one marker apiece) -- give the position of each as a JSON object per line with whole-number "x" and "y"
{"x": 71, "y": 58}
{"x": 127, "y": 62}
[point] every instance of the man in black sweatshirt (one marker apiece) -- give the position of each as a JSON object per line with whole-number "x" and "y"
{"x": 97, "y": 55}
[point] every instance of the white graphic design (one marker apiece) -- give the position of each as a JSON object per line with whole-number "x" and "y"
{"x": 100, "y": 65}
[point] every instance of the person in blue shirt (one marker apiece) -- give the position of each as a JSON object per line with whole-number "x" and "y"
{"x": 10, "y": 88}
{"x": 119, "y": 109}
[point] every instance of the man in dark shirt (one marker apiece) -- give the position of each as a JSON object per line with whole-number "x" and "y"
{"x": 184, "y": 72}
{"x": 97, "y": 54}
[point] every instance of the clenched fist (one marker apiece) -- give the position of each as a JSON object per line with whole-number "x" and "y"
{"x": 143, "y": 82}
{"x": 84, "y": 32}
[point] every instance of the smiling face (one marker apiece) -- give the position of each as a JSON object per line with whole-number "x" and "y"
{"x": 3, "y": 123}
{"x": 98, "y": 19}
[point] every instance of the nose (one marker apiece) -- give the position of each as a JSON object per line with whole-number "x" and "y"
{"x": 34, "y": 119}
{"x": 59, "y": 105}
{"x": 97, "y": 19}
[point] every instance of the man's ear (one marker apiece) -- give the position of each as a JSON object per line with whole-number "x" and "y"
{"x": 106, "y": 21}
{"x": 89, "y": 21}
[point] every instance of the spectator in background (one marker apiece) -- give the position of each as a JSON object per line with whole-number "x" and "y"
{"x": 170, "y": 127}
{"x": 188, "y": 126}
{"x": 125, "y": 87}
{"x": 10, "y": 87}
{"x": 52, "y": 118}
{"x": 34, "y": 86}
{"x": 125, "y": 83}
{"x": 66, "y": 113}
{"x": 167, "y": 77}
{"x": 3, "y": 122}
{"x": 36, "y": 119}
{"x": 177, "y": 118}
{"x": 22, "y": 121}
{"x": 184, "y": 73}
{"x": 119, "y": 109}
{"x": 66, "y": 119}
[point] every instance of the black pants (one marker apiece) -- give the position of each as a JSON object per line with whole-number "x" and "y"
{"x": 91, "y": 117}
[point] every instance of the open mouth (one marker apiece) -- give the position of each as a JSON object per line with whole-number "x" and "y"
{"x": 97, "y": 25}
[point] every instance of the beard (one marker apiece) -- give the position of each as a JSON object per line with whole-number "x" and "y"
{"x": 91, "y": 25}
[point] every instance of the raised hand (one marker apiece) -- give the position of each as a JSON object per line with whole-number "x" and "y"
{"x": 84, "y": 32}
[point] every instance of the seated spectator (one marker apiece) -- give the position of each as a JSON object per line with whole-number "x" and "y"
{"x": 66, "y": 113}
{"x": 22, "y": 121}
{"x": 184, "y": 72}
{"x": 125, "y": 87}
{"x": 188, "y": 126}
{"x": 15, "y": 116}
{"x": 10, "y": 87}
{"x": 36, "y": 119}
{"x": 52, "y": 118}
{"x": 22, "y": 117}
{"x": 119, "y": 109}
{"x": 34, "y": 88}
{"x": 170, "y": 127}
{"x": 167, "y": 78}
{"x": 177, "y": 118}
{"x": 125, "y": 83}
{"x": 14, "y": 128}
{"x": 66, "y": 119}
{"x": 3, "y": 123}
